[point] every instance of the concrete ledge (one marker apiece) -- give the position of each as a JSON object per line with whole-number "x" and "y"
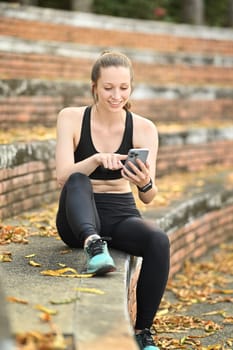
{"x": 91, "y": 319}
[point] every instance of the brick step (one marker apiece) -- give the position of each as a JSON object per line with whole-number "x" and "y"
{"x": 33, "y": 102}
{"x": 85, "y": 28}
{"x": 47, "y": 66}
{"x": 75, "y": 50}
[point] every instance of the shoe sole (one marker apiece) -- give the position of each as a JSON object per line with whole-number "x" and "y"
{"x": 103, "y": 270}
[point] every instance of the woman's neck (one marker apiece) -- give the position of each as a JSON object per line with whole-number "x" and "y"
{"x": 106, "y": 117}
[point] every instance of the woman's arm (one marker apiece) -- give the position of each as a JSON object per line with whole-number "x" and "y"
{"x": 68, "y": 120}
{"x": 145, "y": 136}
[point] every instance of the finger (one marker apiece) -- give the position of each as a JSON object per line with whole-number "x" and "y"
{"x": 122, "y": 156}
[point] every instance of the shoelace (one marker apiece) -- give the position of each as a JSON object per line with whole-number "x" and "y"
{"x": 146, "y": 338}
{"x": 97, "y": 246}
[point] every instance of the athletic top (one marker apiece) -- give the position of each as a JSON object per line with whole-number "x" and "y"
{"x": 86, "y": 147}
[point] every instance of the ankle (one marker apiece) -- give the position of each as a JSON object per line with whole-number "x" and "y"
{"x": 90, "y": 238}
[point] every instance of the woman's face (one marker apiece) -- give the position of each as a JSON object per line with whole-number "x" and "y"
{"x": 113, "y": 88}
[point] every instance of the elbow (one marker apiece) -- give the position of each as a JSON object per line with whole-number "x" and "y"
{"x": 61, "y": 179}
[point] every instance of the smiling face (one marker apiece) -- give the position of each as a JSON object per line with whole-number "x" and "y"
{"x": 113, "y": 87}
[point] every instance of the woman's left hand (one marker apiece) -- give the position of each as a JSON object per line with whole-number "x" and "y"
{"x": 138, "y": 176}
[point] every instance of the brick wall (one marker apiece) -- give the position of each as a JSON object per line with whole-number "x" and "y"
{"x": 27, "y": 177}
{"x": 34, "y": 110}
{"x": 45, "y": 66}
{"x": 193, "y": 157}
{"x": 27, "y": 171}
{"x": 160, "y": 42}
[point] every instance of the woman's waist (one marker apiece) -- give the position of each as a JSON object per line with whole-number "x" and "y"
{"x": 119, "y": 186}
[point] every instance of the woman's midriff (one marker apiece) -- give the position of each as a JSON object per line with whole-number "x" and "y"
{"x": 111, "y": 186}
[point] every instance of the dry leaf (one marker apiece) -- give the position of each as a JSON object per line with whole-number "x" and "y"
{"x": 45, "y": 309}
{"x": 34, "y": 263}
{"x": 16, "y": 300}
{"x": 90, "y": 290}
{"x": 6, "y": 257}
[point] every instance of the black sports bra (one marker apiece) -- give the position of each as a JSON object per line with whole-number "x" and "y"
{"x": 86, "y": 147}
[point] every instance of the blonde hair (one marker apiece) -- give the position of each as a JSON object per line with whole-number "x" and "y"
{"x": 110, "y": 59}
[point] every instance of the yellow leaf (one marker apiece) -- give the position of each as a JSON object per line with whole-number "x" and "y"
{"x": 162, "y": 312}
{"x": 63, "y": 273}
{"x": 45, "y": 309}
{"x": 61, "y": 265}
{"x": 90, "y": 290}
{"x": 6, "y": 257}
{"x": 33, "y": 263}
{"x": 30, "y": 256}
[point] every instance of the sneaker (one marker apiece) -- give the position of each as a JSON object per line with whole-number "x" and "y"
{"x": 145, "y": 340}
{"x": 99, "y": 260}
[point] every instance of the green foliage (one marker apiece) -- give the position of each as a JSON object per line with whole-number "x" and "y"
{"x": 215, "y": 11}
{"x": 61, "y": 4}
{"x": 143, "y": 9}
{"x": 216, "y": 15}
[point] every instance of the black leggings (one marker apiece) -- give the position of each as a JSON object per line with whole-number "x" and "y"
{"x": 82, "y": 213}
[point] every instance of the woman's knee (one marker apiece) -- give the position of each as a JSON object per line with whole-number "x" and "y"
{"x": 78, "y": 179}
{"x": 160, "y": 241}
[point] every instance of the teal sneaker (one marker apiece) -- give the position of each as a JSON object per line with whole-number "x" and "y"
{"x": 145, "y": 340}
{"x": 99, "y": 261}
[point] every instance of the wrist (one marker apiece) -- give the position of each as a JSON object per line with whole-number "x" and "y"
{"x": 146, "y": 187}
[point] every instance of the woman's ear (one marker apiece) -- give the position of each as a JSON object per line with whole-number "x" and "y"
{"x": 93, "y": 91}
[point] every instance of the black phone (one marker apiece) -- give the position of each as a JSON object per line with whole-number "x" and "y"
{"x": 136, "y": 153}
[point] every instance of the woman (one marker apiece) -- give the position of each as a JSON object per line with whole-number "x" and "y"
{"x": 96, "y": 198}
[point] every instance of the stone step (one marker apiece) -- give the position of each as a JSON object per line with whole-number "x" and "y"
{"x": 71, "y": 50}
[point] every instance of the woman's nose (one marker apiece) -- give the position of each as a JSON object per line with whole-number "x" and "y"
{"x": 115, "y": 94}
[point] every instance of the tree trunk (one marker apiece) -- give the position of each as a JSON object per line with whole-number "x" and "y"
{"x": 193, "y": 11}
{"x": 29, "y": 2}
{"x": 230, "y": 13}
{"x": 81, "y": 5}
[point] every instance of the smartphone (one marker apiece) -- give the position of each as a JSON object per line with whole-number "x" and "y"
{"x": 136, "y": 153}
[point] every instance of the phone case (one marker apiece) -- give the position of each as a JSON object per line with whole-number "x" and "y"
{"x": 134, "y": 153}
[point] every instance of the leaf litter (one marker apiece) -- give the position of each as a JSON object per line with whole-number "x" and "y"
{"x": 206, "y": 282}
{"x": 185, "y": 287}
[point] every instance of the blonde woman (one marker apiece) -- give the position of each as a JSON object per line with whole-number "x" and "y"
{"x": 96, "y": 200}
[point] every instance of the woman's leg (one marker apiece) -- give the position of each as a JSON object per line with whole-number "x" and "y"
{"x": 78, "y": 222}
{"x": 77, "y": 216}
{"x": 134, "y": 236}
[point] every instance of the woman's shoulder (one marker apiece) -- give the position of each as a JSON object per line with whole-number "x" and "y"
{"x": 143, "y": 122}
{"x": 72, "y": 112}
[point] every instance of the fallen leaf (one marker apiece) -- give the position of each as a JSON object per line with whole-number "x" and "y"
{"x": 45, "y": 309}
{"x": 6, "y": 257}
{"x": 64, "y": 273}
{"x": 90, "y": 290}
{"x": 16, "y": 300}
{"x": 34, "y": 263}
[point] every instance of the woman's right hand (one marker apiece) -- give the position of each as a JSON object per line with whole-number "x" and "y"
{"x": 110, "y": 161}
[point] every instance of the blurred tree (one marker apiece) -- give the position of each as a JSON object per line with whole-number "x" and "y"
{"x": 217, "y": 15}
{"x": 193, "y": 11}
{"x": 210, "y": 12}
{"x": 61, "y": 4}
{"x": 230, "y": 13}
{"x": 143, "y": 9}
